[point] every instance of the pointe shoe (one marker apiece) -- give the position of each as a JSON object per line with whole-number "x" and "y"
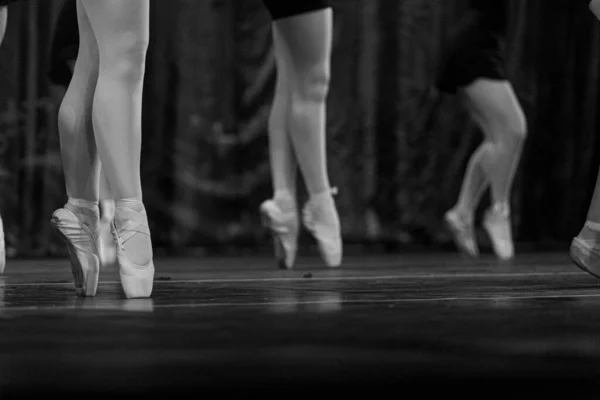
{"x": 106, "y": 245}
{"x": 284, "y": 230}
{"x": 321, "y": 219}
{"x": 585, "y": 256}
{"x": 137, "y": 280}
{"x": 2, "y": 248}
{"x": 81, "y": 243}
{"x": 498, "y": 226}
{"x": 463, "y": 233}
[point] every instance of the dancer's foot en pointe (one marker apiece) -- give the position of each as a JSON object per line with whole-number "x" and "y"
{"x": 321, "y": 219}
{"x": 134, "y": 250}
{"x": 77, "y": 224}
{"x": 281, "y": 218}
{"x": 463, "y": 232}
{"x": 585, "y": 249}
{"x": 498, "y": 227}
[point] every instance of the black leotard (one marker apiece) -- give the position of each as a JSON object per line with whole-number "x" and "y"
{"x": 280, "y": 9}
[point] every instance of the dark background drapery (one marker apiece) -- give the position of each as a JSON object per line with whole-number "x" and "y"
{"x": 397, "y": 149}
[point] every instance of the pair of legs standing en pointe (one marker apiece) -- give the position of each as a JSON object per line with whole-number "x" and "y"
{"x": 493, "y": 105}
{"x": 297, "y": 125}
{"x": 100, "y": 127}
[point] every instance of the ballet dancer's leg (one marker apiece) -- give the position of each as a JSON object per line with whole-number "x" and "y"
{"x": 78, "y": 222}
{"x": 121, "y": 29}
{"x": 494, "y": 106}
{"x": 280, "y": 214}
{"x": 460, "y": 219}
{"x": 307, "y": 39}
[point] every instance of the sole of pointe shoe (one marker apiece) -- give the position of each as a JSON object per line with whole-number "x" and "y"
{"x": 278, "y": 248}
{"x": 83, "y": 288}
{"x": 579, "y": 252}
{"x": 455, "y": 234}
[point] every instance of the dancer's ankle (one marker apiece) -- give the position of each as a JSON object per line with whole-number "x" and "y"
{"x": 285, "y": 200}
{"x": 590, "y": 232}
{"x": 137, "y": 243}
{"x": 464, "y": 212}
{"x": 87, "y": 211}
{"x": 501, "y": 208}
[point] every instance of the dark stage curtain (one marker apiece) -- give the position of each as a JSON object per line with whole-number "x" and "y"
{"x": 397, "y": 148}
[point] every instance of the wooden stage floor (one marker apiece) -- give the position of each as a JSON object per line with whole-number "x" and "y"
{"x": 216, "y": 326}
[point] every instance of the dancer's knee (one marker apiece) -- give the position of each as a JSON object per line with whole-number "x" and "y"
{"x": 514, "y": 135}
{"x": 517, "y": 127}
{"x": 313, "y": 84}
{"x": 126, "y": 57}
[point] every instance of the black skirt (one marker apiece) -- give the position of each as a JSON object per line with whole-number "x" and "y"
{"x": 4, "y": 3}
{"x": 280, "y": 9}
{"x": 475, "y": 52}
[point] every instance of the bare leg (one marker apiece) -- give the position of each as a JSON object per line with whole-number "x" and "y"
{"x": 283, "y": 160}
{"x": 77, "y": 223}
{"x": 307, "y": 38}
{"x": 280, "y": 214}
{"x": 475, "y": 181}
{"x": 121, "y": 29}
{"x": 495, "y": 108}
{"x": 78, "y": 145}
{"x": 503, "y": 123}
